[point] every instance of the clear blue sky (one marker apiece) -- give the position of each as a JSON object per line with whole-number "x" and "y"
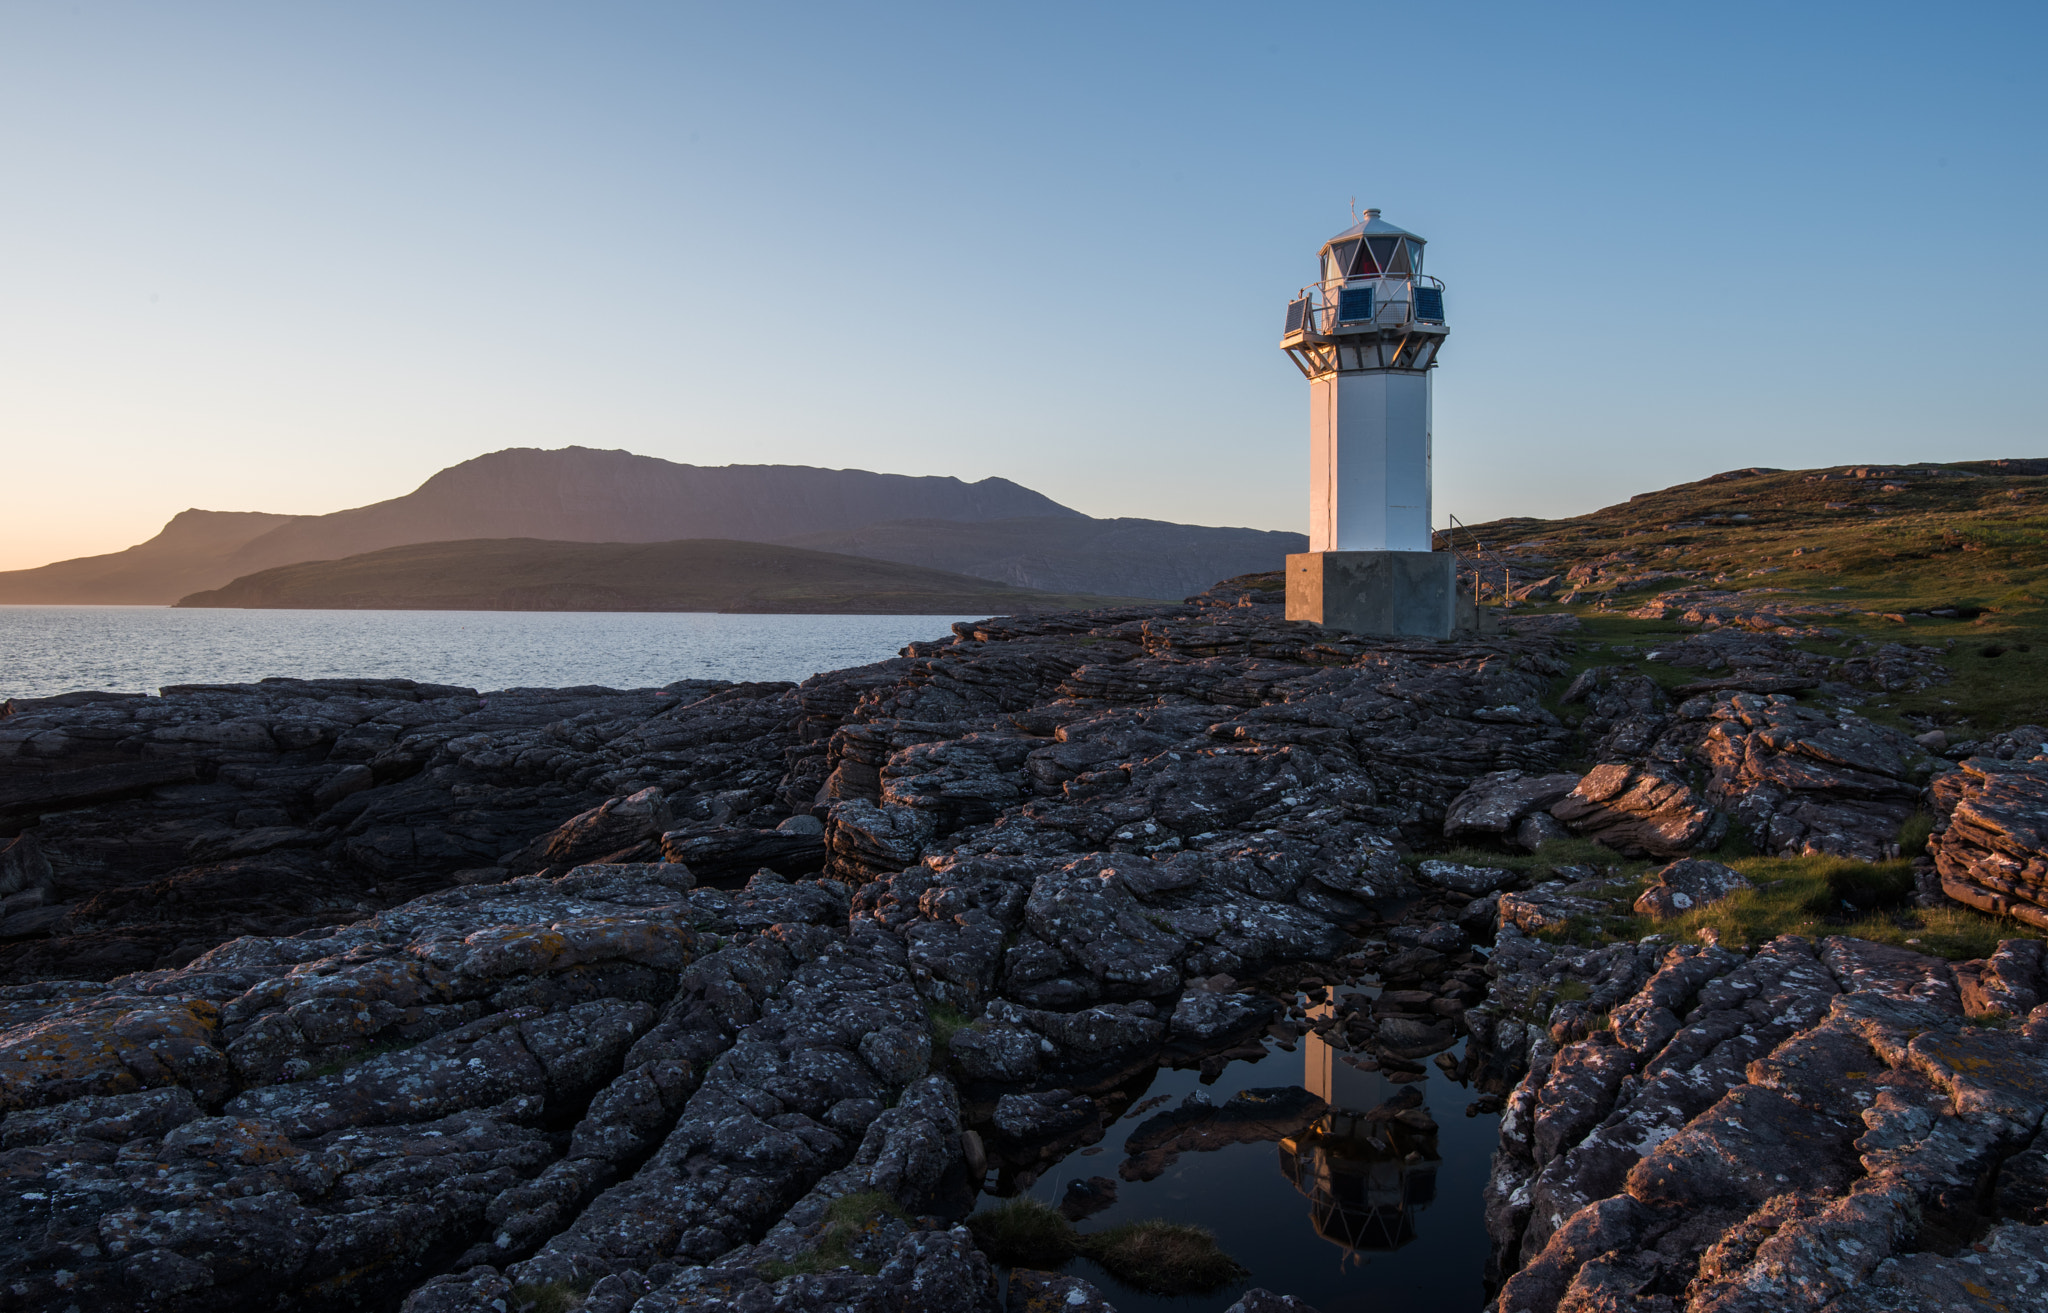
{"x": 298, "y": 257}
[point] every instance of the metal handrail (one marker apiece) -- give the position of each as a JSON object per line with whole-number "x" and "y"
{"x": 1312, "y": 290}
{"x": 1507, "y": 599}
{"x": 1320, "y": 319}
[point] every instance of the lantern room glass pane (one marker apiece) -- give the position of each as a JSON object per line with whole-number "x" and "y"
{"x": 1364, "y": 267}
{"x": 1415, "y": 256}
{"x": 1383, "y": 251}
{"x": 1339, "y": 265}
{"x": 1399, "y": 264}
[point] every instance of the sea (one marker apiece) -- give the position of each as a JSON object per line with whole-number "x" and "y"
{"x": 46, "y": 650}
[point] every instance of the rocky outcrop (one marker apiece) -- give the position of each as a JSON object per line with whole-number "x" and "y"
{"x": 485, "y": 1026}
{"x": 1804, "y": 1127}
{"x": 1801, "y": 781}
{"x": 1738, "y": 750}
{"x": 172, "y": 823}
{"x": 1508, "y": 805}
{"x": 1640, "y": 810}
{"x": 315, "y": 1117}
{"x": 1991, "y": 844}
{"x": 1686, "y": 885}
{"x": 340, "y": 993}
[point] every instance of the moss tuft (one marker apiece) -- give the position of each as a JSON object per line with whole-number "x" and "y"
{"x": 863, "y": 1208}
{"x": 1164, "y": 1258}
{"x": 1914, "y": 833}
{"x": 847, "y": 1219}
{"x": 1025, "y": 1232}
{"x": 945, "y": 1020}
{"x": 1541, "y": 864}
{"x": 1854, "y": 886}
{"x": 549, "y": 1296}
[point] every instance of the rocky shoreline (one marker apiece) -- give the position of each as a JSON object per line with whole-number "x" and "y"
{"x": 346, "y": 994}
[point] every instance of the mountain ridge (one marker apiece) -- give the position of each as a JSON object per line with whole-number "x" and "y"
{"x": 569, "y": 494}
{"x": 539, "y": 574}
{"x": 992, "y": 529}
{"x": 178, "y": 558}
{"x": 573, "y": 494}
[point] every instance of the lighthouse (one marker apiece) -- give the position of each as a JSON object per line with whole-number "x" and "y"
{"x": 1366, "y": 335}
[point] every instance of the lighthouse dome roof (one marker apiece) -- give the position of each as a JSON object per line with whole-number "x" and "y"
{"x": 1373, "y": 226}
{"x": 1372, "y": 248}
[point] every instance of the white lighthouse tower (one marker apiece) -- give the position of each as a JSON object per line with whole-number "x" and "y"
{"x": 1366, "y": 335}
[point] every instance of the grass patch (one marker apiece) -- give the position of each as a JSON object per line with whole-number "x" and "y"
{"x": 1541, "y": 864}
{"x": 1025, "y": 1232}
{"x": 1854, "y": 887}
{"x": 1965, "y": 537}
{"x": 859, "y": 1210}
{"x": 1160, "y": 1258}
{"x": 847, "y": 1219}
{"x": 945, "y": 1020}
{"x": 1164, "y": 1258}
{"x": 1573, "y": 990}
{"x": 550, "y": 1296}
{"x": 1810, "y": 896}
{"x": 1805, "y": 896}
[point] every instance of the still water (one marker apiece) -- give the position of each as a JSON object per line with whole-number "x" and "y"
{"x": 1349, "y": 1215}
{"x": 139, "y": 649}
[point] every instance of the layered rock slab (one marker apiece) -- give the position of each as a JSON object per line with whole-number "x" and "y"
{"x": 1810, "y": 1126}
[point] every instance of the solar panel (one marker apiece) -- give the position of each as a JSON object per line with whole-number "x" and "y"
{"x": 1297, "y": 313}
{"x": 1354, "y": 304}
{"x": 1429, "y": 303}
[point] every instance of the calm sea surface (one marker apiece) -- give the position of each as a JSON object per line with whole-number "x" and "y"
{"x": 59, "y": 649}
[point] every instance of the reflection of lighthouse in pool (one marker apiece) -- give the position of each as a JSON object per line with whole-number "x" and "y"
{"x": 1365, "y": 1178}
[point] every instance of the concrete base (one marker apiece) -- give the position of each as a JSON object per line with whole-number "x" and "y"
{"x": 1386, "y": 594}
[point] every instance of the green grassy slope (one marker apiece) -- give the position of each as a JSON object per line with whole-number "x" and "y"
{"x": 532, "y": 574}
{"x": 1869, "y": 551}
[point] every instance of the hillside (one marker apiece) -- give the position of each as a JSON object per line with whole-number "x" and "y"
{"x": 531, "y": 574}
{"x": 574, "y": 494}
{"x": 184, "y": 556}
{"x": 1947, "y": 557}
{"x": 578, "y": 494}
{"x": 1145, "y": 558}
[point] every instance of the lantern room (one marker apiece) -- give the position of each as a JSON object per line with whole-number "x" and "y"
{"x": 1373, "y": 307}
{"x": 1370, "y": 249}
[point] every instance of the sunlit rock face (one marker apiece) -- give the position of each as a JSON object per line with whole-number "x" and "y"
{"x": 1797, "y": 1128}
{"x": 1992, "y": 847}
